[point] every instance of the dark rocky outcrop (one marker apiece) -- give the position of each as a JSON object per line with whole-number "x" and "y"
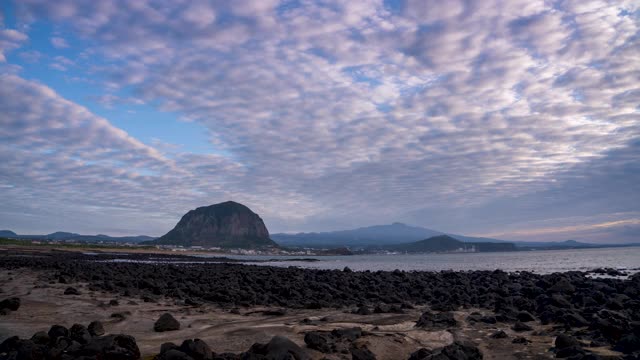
{"x": 228, "y": 224}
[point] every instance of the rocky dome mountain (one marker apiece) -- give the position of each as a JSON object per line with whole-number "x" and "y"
{"x": 228, "y": 225}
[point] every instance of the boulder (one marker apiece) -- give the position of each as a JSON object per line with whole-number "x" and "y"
{"x": 95, "y": 328}
{"x": 563, "y": 341}
{"x": 421, "y": 354}
{"x": 79, "y": 333}
{"x": 500, "y": 334}
{"x": 10, "y": 344}
{"x": 12, "y": 304}
{"x": 71, "y": 291}
{"x": 361, "y": 352}
{"x": 525, "y": 316}
{"x": 57, "y": 331}
{"x": 173, "y": 354}
{"x": 41, "y": 337}
{"x": 338, "y": 340}
{"x": 28, "y": 350}
{"x": 570, "y": 352}
{"x": 459, "y": 350}
{"x": 166, "y": 322}
{"x": 197, "y": 349}
{"x": 279, "y": 347}
{"x": 321, "y": 341}
{"x": 117, "y": 347}
{"x": 363, "y": 310}
{"x": 628, "y": 344}
{"x": 520, "y": 326}
{"x": 521, "y": 340}
{"x": 429, "y": 320}
{"x": 563, "y": 286}
{"x": 168, "y": 346}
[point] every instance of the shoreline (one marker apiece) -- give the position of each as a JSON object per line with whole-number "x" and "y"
{"x": 228, "y": 305}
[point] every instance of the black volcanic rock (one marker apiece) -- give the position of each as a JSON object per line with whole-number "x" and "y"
{"x": 12, "y": 304}
{"x": 228, "y": 224}
{"x": 166, "y": 322}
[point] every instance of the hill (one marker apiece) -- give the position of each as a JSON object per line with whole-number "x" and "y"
{"x": 8, "y": 234}
{"x": 446, "y": 243}
{"x": 226, "y": 225}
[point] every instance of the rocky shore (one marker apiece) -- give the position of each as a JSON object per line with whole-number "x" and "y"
{"x": 310, "y": 313}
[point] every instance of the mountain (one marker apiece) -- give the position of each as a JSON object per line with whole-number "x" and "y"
{"x": 67, "y": 236}
{"x": 61, "y": 235}
{"x": 398, "y": 233}
{"x": 395, "y": 233}
{"x": 378, "y": 235}
{"x": 228, "y": 224}
{"x": 446, "y": 243}
{"x": 8, "y": 234}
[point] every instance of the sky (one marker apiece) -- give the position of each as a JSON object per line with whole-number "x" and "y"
{"x": 515, "y": 119}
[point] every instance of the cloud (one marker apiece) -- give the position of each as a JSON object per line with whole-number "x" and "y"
{"x": 353, "y": 113}
{"x": 59, "y": 43}
{"x": 10, "y": 39}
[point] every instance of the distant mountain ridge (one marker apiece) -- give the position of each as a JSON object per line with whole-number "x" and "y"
{"x": 61, "y": 235}
{"x": 395, "y": 233}
{"x": 226, "y": 225}
{"x": 377, "y": 235}
{"x": 399, "y": 233}
{"x": 365, "y": 237}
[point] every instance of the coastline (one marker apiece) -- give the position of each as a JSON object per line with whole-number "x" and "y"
{"x": 228, "y": 303}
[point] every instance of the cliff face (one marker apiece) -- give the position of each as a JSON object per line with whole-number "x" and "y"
{"x": 228, "y": 224}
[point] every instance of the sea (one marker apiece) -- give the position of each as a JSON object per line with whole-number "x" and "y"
{"x": 540, "y": 261}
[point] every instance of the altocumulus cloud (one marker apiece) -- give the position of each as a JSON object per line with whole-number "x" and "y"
{"x": 335, "y": 114}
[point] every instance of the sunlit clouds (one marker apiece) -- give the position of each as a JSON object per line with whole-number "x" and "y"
{"x": 474, "y": 117}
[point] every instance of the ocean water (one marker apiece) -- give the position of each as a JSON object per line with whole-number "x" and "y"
{"x": 541, "y": 262}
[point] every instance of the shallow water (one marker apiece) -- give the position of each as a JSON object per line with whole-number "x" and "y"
{"x": 541, "y": 262}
